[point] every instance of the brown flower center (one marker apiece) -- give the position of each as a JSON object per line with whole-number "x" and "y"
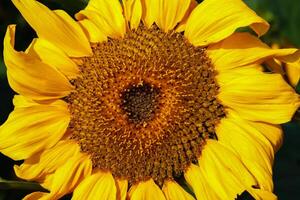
{"x": 144, "y": 105}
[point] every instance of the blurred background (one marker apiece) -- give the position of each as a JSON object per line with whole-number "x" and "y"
{"x": 284, "y": 17}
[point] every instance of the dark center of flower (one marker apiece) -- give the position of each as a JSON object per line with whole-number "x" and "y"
{"x": 140, "y": 102}
{"x": 144, "y": 105}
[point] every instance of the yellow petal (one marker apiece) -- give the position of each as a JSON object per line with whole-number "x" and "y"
{"x": 293, "y": 73}
{"x": 29, "y": 76}
{"x": 122, "y": 186}
{"x": 21, "y": 101}
{"x": 66, "y": 178}
{"x": 242, "y": 49}
{"x": 174, "y": 191}
{"x": 56, "y": 27}
{"x": 219, "y": 163}
{"x": 258, "y": 96}
{"x": 146, "y": 190}
{"x": 181, "y": 26}
{"x": 107, "y": 15}
{"x": 261, "y": 174}
{"x": 214, "y": 20}
{"x": 92, "y": 31}
{"x": 48, "y": 179}
{"x": 252, "y": 148}
{"x": 263, "y": 195}
{"x": 100, "y": 184}
{"x": 245, "y": 140}
{"x": 197, "y": 181}
{"x": 33, "y": 128}
{"x": 170, "y": 13}
{"x": 150, "y": 11}
{"x": 272, "y": 132}
{"x": 40, "y": 165}
{"x": 288, "y": 66}
{"x": 35, "y": 196}
{"x": 53, "y": 56}
{"x": 293, "y": 58}
{"x": 133, "y": 12}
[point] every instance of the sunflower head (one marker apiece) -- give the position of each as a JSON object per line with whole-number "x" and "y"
{"x": 146, "y": 100}
{"x": 149, "y": 99}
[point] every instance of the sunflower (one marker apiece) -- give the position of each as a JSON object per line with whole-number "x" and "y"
{"x": 146, "y": 100}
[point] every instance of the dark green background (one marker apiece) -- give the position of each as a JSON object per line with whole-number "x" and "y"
{"x": 284, "y": 17}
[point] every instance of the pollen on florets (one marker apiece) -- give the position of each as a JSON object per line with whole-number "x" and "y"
{"x": 144, "y": 105}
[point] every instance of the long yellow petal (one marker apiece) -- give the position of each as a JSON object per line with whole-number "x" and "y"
{"x": 69, "y": 176}
{"x": 66, "y": 178}
{"x": 218, "y": 164}
{"x": 146, "y": 190}
{"x": 56, "y": 27}
{"x": 100, "y": 185}
{"x": 92, "y": 31}
{"x": 181, "y": 26}
{"x": 31, "y": 129}
{"x": 170, "y": 13}
{"x": 242, "y": 49}
{"x": 29, "y": 76}
{"x": 38, "y": 166}
{"x": 272, "y": 132}
{"x": 197, "y": 181}
{"x": 263, "y": 195}
{"x": 252, "y": 148}
{"x": 133, "y": 12}
{"x": 150, "y": 11}
{"x": 172, "y": 191}
{"x": 258, "y": 96}
{"x": 53, "y": 56}
{"x": 122, "y": 186}
{"x": 107, "y": 15}
{"x": 214, "y": 20}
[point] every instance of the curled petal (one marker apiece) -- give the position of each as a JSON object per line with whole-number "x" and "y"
{"x": 213, "y": 20}
{"x": 31, "y": 77}
{"x": 56, "y": 27}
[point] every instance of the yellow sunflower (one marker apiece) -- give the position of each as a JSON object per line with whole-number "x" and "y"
{"x": 146, "y": 99}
